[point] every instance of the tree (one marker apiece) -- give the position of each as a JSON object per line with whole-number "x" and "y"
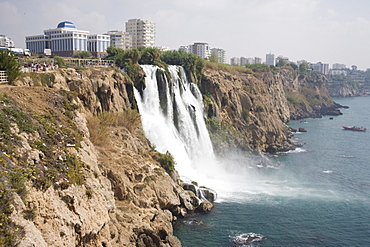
{"x": 281, "y": 62}
{"x": 82, "y": 54}
{"x": 150, "y": 55}
{"x": 303, "y": 67}
{"x": 10, "y": 65}
{"x": 213, "y": 58}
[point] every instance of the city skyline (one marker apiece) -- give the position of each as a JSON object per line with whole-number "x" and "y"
{"x": 324, "y": 31}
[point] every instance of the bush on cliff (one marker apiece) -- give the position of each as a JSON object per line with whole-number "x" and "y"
{"x": 10, "y": 65}
{"x": 166, "y": 160}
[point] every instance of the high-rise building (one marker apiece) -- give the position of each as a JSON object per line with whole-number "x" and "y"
{"x": 270, "y": 59}
{"x": 258, "y": 60}
{"x": 5, "y": 41}
{"x": 142, "y": 32}
{"x": 220, "y": 54}
{"x": 66, "y": 40}
{"x": 320, "y": 67}
{"x": 235, "y": 61}
{"x": 339, "y": 66}
{"x": 120, "y": 39}
{"x": 243, "y": 61}
{"x": 201, "y": 49}
{"x": 184, "y": 48}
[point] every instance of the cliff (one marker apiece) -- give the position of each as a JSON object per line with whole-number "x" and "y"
{"x": 344, "y": 90}
{"x": 77, "y": 170}
{"x": 249, "y": 110}
{"x": 70, "y": 177}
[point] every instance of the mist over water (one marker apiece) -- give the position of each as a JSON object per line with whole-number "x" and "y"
{"x": 318, "y": 195}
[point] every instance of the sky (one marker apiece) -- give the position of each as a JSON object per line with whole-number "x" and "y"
{"x": 327, "y": 31}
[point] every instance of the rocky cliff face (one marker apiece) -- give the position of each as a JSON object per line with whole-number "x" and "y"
{"x": 344, "y": 90}
{"x": 249, "y": 110}
{"x": 84, "y": 180}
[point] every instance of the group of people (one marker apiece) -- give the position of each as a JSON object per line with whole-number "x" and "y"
{"x": 34, "y": 67}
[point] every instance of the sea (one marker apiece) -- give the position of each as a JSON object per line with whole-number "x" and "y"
{"x": 315, "y": 195}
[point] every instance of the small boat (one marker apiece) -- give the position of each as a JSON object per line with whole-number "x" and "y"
{"x": 354, "y": 128}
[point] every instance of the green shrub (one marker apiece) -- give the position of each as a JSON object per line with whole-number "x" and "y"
{"x": 166, "y": 161}
{"x": 10, "y": 65}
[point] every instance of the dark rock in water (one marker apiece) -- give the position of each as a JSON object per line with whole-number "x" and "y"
{"x": 190, "y": 187}
{"x": 209, "y": 194}
{"x": 248, "y": 238}
{"x": 204, "y": 207}
{"x": 331, "y": 118}
{"x": 302, "y": 129}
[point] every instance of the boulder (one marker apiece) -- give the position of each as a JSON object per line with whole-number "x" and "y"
{"x": 209, "y": 194}
{"x": 205, "y": 207}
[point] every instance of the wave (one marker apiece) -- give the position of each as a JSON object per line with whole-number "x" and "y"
{"x": 327, "y": 171}
{"x": 297, "y": 150}
{"x": 346, "y": 156}
{"x": 246, "y": 239}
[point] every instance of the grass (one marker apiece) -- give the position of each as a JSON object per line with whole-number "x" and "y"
{"x": 100, "y": 126}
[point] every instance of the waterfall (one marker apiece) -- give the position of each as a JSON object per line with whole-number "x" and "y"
{"x": 172, "y": 115}
{"x": 171, "y": 110}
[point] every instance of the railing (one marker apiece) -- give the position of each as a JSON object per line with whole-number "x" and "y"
{"x": 3, "y": 77}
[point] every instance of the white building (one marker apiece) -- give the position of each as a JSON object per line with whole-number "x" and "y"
{"x": 270, "y": 59}
{"x": 258, "y": 60}
{"x": 97, "y": 44}
{"x": 5, "y": 41}
{"x": 220, "y": 54}
{"x": 65, "y": 40}
{"x": 142, "y": 31}
{"x": 201, "y": 49}
{"x": 184, "y": 48}
{"x": 243, "y": 61}
{"x": 120, "y": 39}
{"x": 320, "y": 67}
{"x": 235, "y": 61}
{"x": 339, "y": 66}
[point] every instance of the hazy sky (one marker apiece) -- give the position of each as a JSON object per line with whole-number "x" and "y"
{"x": 328, "y": 31}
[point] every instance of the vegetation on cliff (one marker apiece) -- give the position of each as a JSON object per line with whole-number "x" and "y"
{"x": 37, "y": 149}
{"x": 9, "y": 64}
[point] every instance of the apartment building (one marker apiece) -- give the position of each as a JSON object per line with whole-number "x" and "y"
{"x": 235, "y": 61}
{"x": 201, "y": 49}
{"x": 270, "y": 59}
{"x": 320, "y": 67}
{"x": 142, "y": 31}
{"x": 120, "y": 39}
{"x": 220, "y": 54}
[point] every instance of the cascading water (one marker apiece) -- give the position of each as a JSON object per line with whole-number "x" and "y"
{"x": 172, "y": 117}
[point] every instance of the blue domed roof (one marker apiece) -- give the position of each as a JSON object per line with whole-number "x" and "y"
{"x": 66, "y": 24}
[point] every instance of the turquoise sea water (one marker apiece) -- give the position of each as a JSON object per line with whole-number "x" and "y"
{"x": 318, "y": 195}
